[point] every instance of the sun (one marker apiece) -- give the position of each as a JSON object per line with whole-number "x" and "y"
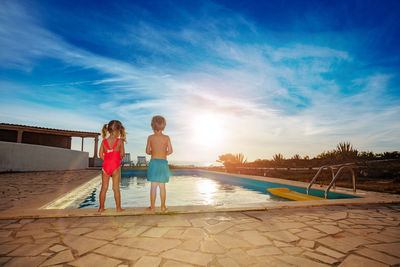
{"x": 207, "y": 130}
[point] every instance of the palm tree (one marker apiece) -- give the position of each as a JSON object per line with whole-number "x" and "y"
{"x": 346, "y": 151}
{"x": 278, "y": 157}
{"x": 296, "y": 157}
{"x": 230, "y": 160}
{"x": 344, "y": 147}
{"x": 239, "y": 158}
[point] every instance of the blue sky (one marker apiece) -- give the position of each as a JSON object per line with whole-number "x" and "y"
{"x": 257, "y": 77}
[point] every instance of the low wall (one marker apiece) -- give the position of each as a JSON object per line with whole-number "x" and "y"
{"x": 95, "y": 162}
{"x": 26, "y": 157}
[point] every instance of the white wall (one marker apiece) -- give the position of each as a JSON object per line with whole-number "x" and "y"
{"x": 26, "y": 157}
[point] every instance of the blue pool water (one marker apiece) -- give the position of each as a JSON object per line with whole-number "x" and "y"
{"x": 194, "y": 187}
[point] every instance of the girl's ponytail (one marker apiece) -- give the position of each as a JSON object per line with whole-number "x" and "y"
{"x": 123, "y": 134}
{"x": 104, "y": 131}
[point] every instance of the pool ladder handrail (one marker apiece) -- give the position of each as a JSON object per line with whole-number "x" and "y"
{"x": 318, "y": 173}
{"x": 350, "y": 166}
{"x": 334, "y": 177}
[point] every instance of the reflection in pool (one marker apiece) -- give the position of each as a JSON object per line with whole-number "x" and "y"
{"x": 182, "y": 190}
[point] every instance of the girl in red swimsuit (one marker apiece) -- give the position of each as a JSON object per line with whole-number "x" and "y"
{"x": 111, "y": 152}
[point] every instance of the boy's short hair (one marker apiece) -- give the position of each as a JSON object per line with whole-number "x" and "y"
{"x": 158, "y": 123}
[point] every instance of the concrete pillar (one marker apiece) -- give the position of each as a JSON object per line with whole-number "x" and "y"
{"x": 19, "y": 137}
{"x": 96, "y": 143}
{"x": 82, "y": 144}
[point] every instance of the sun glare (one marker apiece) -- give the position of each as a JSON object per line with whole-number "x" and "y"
{"x": 208, "y": 130}
{"x": 207, "y": 189}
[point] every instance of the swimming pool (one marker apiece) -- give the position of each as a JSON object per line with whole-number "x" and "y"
{"x": 195, "y": 187}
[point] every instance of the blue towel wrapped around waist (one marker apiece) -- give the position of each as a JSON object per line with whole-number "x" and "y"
{"x": 158, "y": 171}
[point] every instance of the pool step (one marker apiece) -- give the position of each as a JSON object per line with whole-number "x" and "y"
{"x": 287, "y": 193}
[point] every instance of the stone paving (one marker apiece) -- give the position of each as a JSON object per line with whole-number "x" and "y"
{"x": 364, "y": 235}
{"x": 35, "y": 189}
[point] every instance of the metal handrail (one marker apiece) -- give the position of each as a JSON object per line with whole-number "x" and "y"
{"x": 331, "y": 167}
{"x": 316, "y": 175}
{"x": 348, "y": 165}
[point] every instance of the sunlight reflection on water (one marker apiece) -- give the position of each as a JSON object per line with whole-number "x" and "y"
{"x": 181, "y": 190}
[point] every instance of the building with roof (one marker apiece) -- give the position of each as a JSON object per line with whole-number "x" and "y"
{"x": 15, "y": 138}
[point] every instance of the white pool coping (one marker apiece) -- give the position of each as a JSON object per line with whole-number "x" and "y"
{"x": 75, "y": 197}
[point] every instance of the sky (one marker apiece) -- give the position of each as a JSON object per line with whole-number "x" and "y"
{"x": 251, "y": 77}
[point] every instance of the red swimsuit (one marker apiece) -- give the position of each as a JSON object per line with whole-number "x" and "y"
{"x": 112, "y": 158}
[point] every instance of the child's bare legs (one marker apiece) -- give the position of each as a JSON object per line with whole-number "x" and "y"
{"x": 153, "y": 192}
{"x": 153, "y": 195}
{"x": 104, "y": 186}
{"x": 163, "y": 195}
{"x": 116, "y": 178}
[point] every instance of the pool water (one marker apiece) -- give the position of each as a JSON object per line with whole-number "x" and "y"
{"x": 194, "y": 188}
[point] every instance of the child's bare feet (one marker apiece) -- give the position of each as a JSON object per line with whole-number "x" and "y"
{"x": 150, "y": 209}
{"x": 101, "y": 210}
{"x": 120, "y": 209}
{"x": 164, "y": 209}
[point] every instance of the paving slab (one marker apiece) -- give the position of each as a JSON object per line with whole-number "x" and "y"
{"x": 155, "y": 232}
{"x": 337, "y": 216}
{"x": 29, "y": 250}
{"x": 105, "y": 234}
{"x": 299, "y": 261}
{"x": 191, "y": 244}
{"x": 311, "y": 234}
{"x": 330, "y": 252}
{"x": 82, "y": 244}
{"x": 3, "y": 260}
{"x": 4, "y": 234}
{"x": 174, "y": 233}
{"x": 134, "y": 232}
{"x": 36, "y": 233}
{"x": 95, "y": 260}
{"x": 25, "y": 261}
{"x": 174, "y": 222}
{"x": 322, "y": 258}
{"x": 254, "y": 237}
{"x": 229, "y": 242}
{"x": 148, "y": 261}
{"x": 61, "y": 257}
{"x": 358, "y": 261}
{"x": 217, "y": 228}
{"x": 306, "y": 243}
{"x": 264, "y": 251}
{"x": 284, "y": 236}
{"x": 78, "y": 231}
{"x": 390, "y": 248}
{"x": 266, "y": 261}
{"x": 329, "y": 229}
{"x": 228, "y": 262}
{"x": 241, "y": 257}
{"x": 292, "y": 250}
{"x": 194, "y": 233}
{"x": 172, "y": 263}
{"x": 378, "y": 256}
{"x": 280, "y": 244}
{"x": 211, "y": 246}
{"x": 187, "y": 256}
{"x": 120, "y": 252}
{"x": 151, "y": 244}
{"x": 7, "y": 248}
{"x": 344, "y": 244}
{"x": 281, "y": 226}
{"x": 57, "y": 248}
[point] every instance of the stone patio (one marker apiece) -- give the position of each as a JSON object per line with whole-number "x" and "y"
{"x": 366, "y": 235}
{"x": 289, "y": 234}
